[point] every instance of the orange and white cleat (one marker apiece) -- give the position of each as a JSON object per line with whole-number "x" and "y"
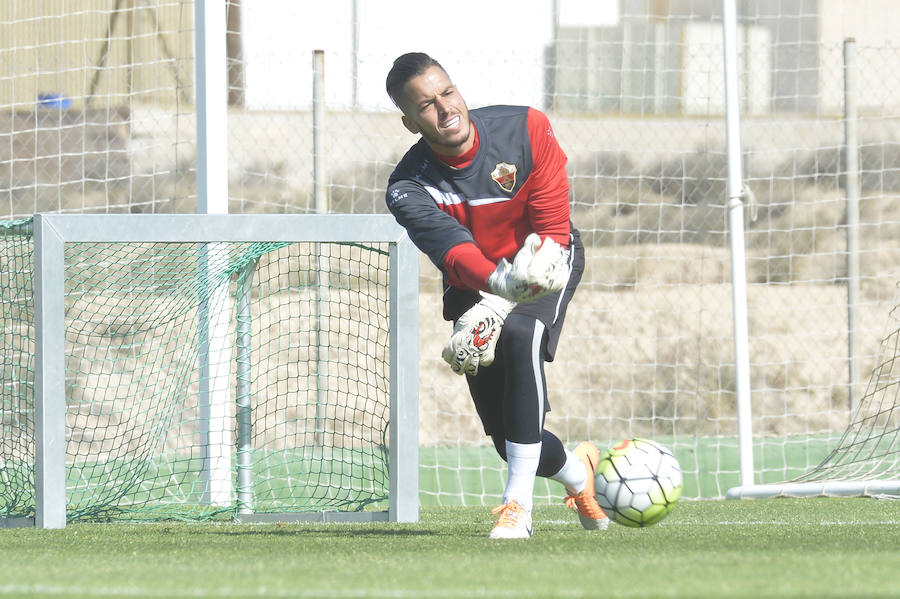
{"x": 585, "y": 503}
{"x": 514, "y": 521}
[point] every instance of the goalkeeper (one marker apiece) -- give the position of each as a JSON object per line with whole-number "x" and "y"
{"x": 484, "y": 194}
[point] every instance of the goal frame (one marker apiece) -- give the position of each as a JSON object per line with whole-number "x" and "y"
{"x": 53, "y": 231}
{"x": 864, "y": 488}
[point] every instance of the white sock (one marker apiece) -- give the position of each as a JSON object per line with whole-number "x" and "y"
{"x": 573, "y": 474}
{"x": 523, "y": 459}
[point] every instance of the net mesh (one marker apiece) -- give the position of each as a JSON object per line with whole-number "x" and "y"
{"x": 308, "y": 368}
{"x": 870, "y": 447}
{"x": 99, "y": 116}
{"x": 17, "y": 363}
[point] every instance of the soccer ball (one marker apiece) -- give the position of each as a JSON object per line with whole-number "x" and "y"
{"x": 637, "y": 482}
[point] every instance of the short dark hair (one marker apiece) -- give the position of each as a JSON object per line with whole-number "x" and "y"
{"x": 407, "y": 66}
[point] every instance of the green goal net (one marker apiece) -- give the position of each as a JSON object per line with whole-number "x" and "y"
{"x": 204, "y": 380}
{"x": 17, "y": 355}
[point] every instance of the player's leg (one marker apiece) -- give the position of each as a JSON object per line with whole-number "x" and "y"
{"x": 516, "y": 413}
{"x": 524, "y": 403}
{"x": 515, "y": 423}
{"x": 510, "y": 398}
{"x": 578, "y": 478}
{"x": 553, "y": 454}
{"x": 486, "y": 388}
{"x": 574, "y": 469}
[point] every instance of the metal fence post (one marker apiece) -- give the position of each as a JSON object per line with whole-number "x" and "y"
{"x": 851, "y": 182}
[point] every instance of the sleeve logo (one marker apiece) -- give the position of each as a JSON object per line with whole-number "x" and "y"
{"x": 504, "y": 175}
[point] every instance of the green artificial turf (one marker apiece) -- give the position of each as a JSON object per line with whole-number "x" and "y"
{"x": 762, "y": 548}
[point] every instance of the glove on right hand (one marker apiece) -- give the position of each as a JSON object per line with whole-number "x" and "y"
{"x": 537, "y": 270}
{"x": 474, "y": 339}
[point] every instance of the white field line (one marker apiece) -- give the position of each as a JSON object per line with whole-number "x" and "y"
{"x": 749, "y": 523}
{"x": 790, "y": 523}
{"x": 44, "y": 590}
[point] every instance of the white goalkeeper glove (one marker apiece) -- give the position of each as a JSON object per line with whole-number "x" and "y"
{"x": 538, "y": 269}
{"x": 474, "y": 339}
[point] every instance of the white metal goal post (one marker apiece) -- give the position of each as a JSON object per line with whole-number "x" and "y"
{"x": 53, "y": 231}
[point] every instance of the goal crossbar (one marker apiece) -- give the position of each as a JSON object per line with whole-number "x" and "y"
{"x": 53, "y": 231}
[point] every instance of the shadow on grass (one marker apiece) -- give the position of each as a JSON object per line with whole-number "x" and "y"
{"x": 330, "y": 531}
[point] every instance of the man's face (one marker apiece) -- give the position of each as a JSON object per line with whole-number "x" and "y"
{"x": 433, "y": 107}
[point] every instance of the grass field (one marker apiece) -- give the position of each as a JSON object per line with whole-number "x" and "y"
{"x": 763, "y": 548}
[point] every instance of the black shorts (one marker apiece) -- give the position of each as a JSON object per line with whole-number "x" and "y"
{"x": 510, "y": 395}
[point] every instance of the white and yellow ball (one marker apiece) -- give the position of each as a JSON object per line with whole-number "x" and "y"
{"x": 637, "y": 482}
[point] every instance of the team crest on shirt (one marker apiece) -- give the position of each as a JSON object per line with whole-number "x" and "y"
{"x": 505, "y": 175}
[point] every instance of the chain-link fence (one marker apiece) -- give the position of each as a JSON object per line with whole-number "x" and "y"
{"x": 98, "y": 115}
